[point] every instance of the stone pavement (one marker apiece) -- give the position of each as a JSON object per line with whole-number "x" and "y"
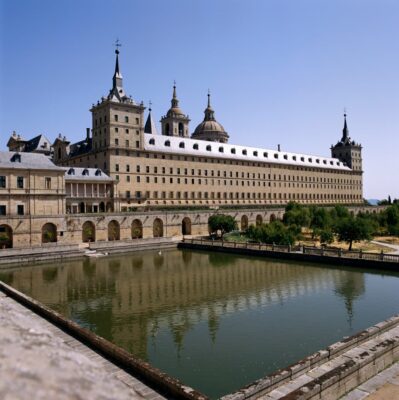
{"x": 383, "y": 386}
{"x": 39, "y": 361}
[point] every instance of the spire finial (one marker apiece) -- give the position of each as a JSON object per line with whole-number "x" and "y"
{"x": 117, "y": 45}
{"x": 209, "y": 98}
{"x": 345, "y": 131}
{"x": 174, "y": 89}
{"x": 149, "y": 106}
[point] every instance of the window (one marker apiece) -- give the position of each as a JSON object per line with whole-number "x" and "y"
{"x": 2, "y": 182}
{"x": 20, "y": 182}
{"x": 195, "y": 147}
{"x": 47, "y": 183}
{"x": 275, "y": 155}
{"x": 127, "y": 168}
{"x": 265, "y": 155}
{"x": 116, "y": 130}
{"x": 116, "y": 142}
{"x": 126, "y": 130}
{"x": 181, "y": 145}
{"x": 3, "y": 210}
{"x": 85, "y": 172}
{"x": 128, "y": 194}
{"x": 221, "y": 150}
{"x": 138, "y": 168}
{"x": 117, "y": 167}
{"x": 244, "y": 152}
{"x": 209, "y": 147}
{"x": 152, "y": 141}
{"x": 126, "y": 119}
{"x": 167, "y": 143}
{"x": 127, "y": 178}
{"x": 233, "y": 151}
{"x": 127, "y": 143}
{"x": 115, "y": 117}
{"x": 20, "y": 209}
{"x": 137, "y": 144}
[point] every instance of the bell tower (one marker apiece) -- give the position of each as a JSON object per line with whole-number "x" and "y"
{"x": 175, "y": 122}
{"x": 347, "y": 150}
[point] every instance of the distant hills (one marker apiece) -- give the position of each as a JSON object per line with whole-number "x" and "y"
{"x": 373, "y": 202}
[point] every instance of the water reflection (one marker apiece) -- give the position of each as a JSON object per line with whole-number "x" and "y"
{"x": 189, "y": 312}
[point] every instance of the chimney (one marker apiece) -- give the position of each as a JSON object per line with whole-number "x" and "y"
{"x": 278, "y": 148}
{"x": 87, "y": 134}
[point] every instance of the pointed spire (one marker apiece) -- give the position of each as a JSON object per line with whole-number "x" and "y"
{"x": 150, "y": 126}
{"x": 209, "y": 112}
{"x": 345, "y": 131}
{"x": 174, "y": 101}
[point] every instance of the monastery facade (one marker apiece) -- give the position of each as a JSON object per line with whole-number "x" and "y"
{"x": 174, "y": 168}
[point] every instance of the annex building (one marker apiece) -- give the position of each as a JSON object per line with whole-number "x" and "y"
{"x": 176, "y": 168}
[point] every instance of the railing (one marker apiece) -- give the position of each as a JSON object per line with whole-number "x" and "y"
{"x": 317, "y": 251}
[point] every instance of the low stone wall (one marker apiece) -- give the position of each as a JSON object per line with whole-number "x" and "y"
{"x": 332, "y": 372}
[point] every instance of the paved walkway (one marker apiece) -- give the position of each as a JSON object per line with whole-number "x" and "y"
{"x": 39, "y": 361}
{"x": 383, "y": 386}
{"x": 394, "y": 247}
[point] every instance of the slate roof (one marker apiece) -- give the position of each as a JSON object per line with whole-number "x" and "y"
{"x": 80, "y": 148}
{"x": 29, "y": 161}
{"x": 38, "y": 143}
{"x": 89, "y": 174}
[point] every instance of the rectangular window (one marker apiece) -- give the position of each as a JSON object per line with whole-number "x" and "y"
{"x": 20, "y": 209}
{"x": 3, "y": 210}
{"x": 127, "y": 143}
{"x": 20, "y": 182}
{"x": 126, "y": 119}
{"x": 116, "y": 142}
{"x": 2, "y": 182}
{"x": 137, "y": 144}
{"x": 128, "y": 194}
{"x": 117, "y": 167}
{"x": 47, "y": 183}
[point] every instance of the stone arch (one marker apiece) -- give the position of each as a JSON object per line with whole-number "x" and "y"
{"x": 114, "y": 230}
{"x": 244, "y": 223}
{"x": 137, "y": 229}
{"x": 88, "y": 232}
{"x": 181, "y": 129}
{"x": 186, "y": 226}
{"x": 6, "y": 237}
{"x": 157, "y": 228}
{"x": 49, "y": 233}
{"x": 259, "y": 220}
{"x": 273, "y": 217}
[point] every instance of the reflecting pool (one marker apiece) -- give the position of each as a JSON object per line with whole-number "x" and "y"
{"x": 215, "y": 321}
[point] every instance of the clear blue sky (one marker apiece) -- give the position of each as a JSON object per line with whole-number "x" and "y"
{"x": 279, "y": 71}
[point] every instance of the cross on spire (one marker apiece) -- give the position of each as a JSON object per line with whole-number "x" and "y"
{"x": 117, "y": 45}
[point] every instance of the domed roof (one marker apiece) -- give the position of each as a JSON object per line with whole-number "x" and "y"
{"x": 175, "y": 110}
{"x": 209, "y": 129}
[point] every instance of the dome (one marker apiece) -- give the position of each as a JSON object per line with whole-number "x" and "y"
{"x": 209, "y": 129}
{"x": 173, "y": 111}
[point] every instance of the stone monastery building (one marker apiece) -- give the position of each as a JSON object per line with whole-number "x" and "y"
{"x": 176, "y": 168}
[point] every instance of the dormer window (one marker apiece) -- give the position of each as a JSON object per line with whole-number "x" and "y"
{"x": 324, "y": 161}
{"x": 332, "y": 162}
{"x": 310, "y": 160}
{"x": 85, "y": 172}
{"x": 317, "y": 161}
{"x": 167, "y": 143}
{"x": 255, "y": 153}
{"x": 275, "y": 155}
{"x": 71, "y": 171}
{"x": 233, "y": 151}
{"x": 285, "y": 157}
{"x": 303, "y": 159}
{"x": 244, "y": 152}
{"x": 98, "y": 172}
{"x": 209, "y": 147}
{"x": 294, "y": 158}
{"x": 265, "y": 155}
{"x": 221, "y": 150}
{"x": 195, "y": 146}
{"x": 152, "y": 141}
{"x": 181, "y": 145}
{"x": 16, "y": 158}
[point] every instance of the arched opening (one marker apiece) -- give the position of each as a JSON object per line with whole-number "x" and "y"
{"x": 186, "y": 226}
{"x": 181, "y": 129}
{"x": 5, "y": 237}
{"x": 82, "y": 207}
{"x": 167, "y": 129}
{"x": 49, "y": 233}
{"x": 113, "y": 230}
{"x": 244, "y": 223}
{"x": 88, "y": 232}
{"x": 101, "y": 207}
{"x": 259, "y": 220}
{"x": 157, "y": 228}
{"x": 137, "y": 229}
{"x": 59, "y": 153}
{"x": 273, "y": 217}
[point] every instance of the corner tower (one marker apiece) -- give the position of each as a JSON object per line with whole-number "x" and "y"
{"x": 175, "y": 122}
{"x": 117, "y": 120}
{"x": 347, "y": 150}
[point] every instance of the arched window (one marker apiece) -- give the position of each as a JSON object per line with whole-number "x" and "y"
{"x": 265, "y": 155}
{"x": 59, "y": 152}
{"x": 244, "y": 152}
{"x": 71, "y": 171}
{"x": 167, "y": 129}
{"x": 152, "y": 141}
{"x": 181, "y": 145}
{"x": 209, "y": 147}
{"x": 181, "y": 129}
{"x": 255, "y": 153}
{"x": 195, "y": 146}
{"x": 167, "y": 143}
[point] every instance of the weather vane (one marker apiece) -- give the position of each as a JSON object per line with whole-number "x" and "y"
{"x": 117, "y": 45}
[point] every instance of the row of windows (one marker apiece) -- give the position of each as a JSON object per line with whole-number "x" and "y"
{"x": 21, "y": 182}
{"x": 20, "y": 210}
{"x": 116, "y": 119}
{"x": 248, "y": 175}
{"x": 255, "y": 153}
{"x": 224, "y": 195}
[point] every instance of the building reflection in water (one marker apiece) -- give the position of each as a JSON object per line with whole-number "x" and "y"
{"x": 129, "y": 299}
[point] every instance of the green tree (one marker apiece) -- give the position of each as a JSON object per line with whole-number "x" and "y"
{"x": 221, "y": 223}
{"x": 296, "y": 214}
{"x": 353, "y": 229}
{"x": 326, "y": 236}
{"x": 320, "y": 220}
{"x": 275, "y": 232}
